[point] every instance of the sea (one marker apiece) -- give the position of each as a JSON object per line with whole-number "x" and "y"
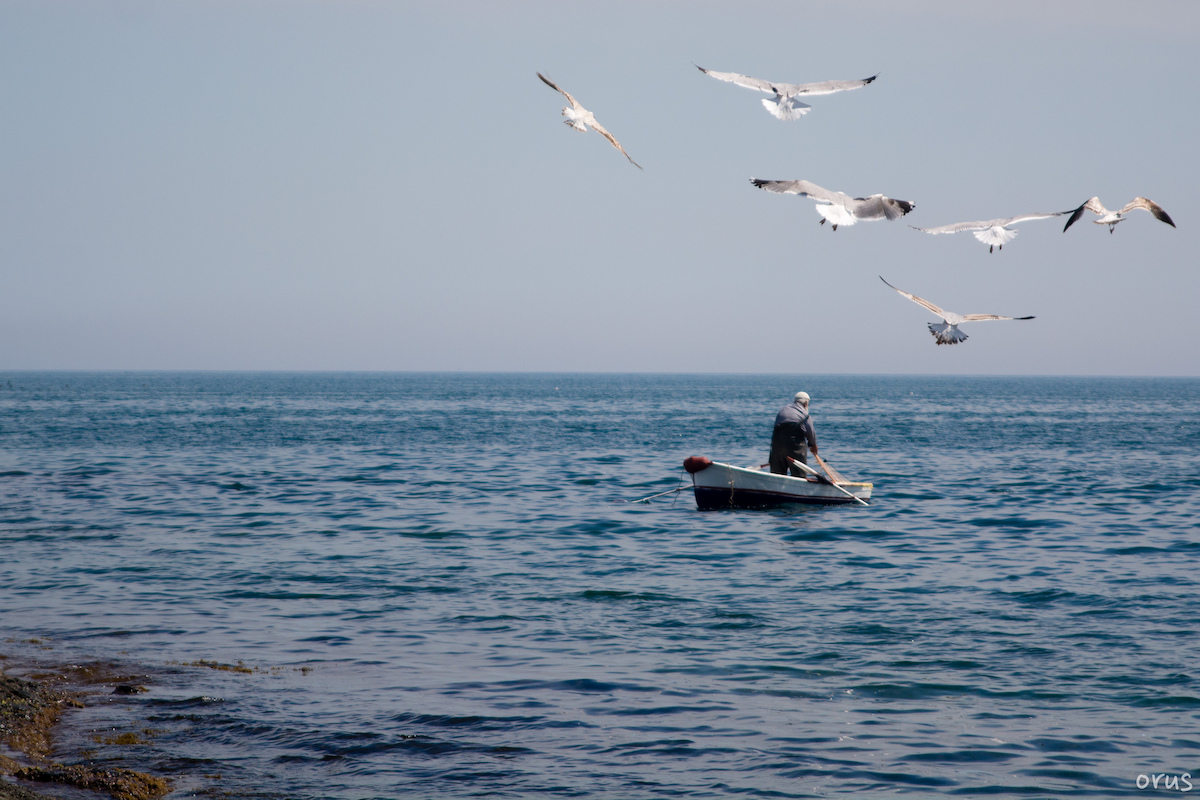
{"x": 403, "y": 585}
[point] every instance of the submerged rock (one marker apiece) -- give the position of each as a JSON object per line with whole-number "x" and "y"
{"x": 11, "y": 791}
{"x": 123, "y": 784}
{"x": 28, "y": 712}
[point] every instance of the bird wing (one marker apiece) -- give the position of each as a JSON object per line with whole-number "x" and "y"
{"x": 574, "y": 103}
{"x": 954, "y": 227}
{"x": 742, "y": 80}
{"x": 1094, "y": 205}
{"x": 613, "y": 140}
{"x": 980, "y": 225}
{"x": 983, "y": 317}
{"x": 918, "y": 300}
{"x": 877, "y": 206}
{"x": 1027, "y": 217}
{"x": 805, "y": 188}
{"x": 1151, "y": 206}
{"x": 826, "y": 87}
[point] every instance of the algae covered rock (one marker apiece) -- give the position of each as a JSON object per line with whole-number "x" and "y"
{"x": 28, "y": 711}
{"x": 122, "y": 784}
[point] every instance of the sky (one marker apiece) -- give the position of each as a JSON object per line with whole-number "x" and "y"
{"x": 351, "y": 185}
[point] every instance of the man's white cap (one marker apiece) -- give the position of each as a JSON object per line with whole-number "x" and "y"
{"x": 802, "y": 397}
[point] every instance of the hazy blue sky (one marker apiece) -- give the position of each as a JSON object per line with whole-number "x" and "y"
{"x": 388, "y": 186}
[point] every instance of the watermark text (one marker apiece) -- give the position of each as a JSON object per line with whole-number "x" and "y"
{"x": 1182, "y": 783}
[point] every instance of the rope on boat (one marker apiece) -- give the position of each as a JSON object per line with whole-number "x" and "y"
{"x": 660, "y": 494}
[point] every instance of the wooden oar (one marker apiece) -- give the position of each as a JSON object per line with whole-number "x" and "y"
{"x": 826, "y": 480}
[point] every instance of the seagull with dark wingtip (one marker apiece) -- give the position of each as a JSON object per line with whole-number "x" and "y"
{"x": 838, "y": 208}
{"x": 1111, "y": 218}
{"x": 579, "y": 118}
{"x": 995, "y": 233}
{"x": 783, "y": 103}
{"x": 947, "y": 332}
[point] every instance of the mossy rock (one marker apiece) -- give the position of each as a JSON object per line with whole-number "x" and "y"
{"x": 10, "y": 791}
{"x": 28, "y": 711}
{"x": 122, "y": 784}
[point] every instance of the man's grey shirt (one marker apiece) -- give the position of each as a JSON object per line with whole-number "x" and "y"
{"x": 796, "y": 422}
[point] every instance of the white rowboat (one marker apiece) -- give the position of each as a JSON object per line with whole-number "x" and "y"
{"x": 720, "y": 485}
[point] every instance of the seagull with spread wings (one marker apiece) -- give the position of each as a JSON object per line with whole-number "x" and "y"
{"x": 579, "y": 118}
{"x": 947, "y": 332}
{"x": 995, "y": 233}
{"x": 1111, "y": 218}
{"x": 838, "y": 208}
{"x": 783, "y": 103}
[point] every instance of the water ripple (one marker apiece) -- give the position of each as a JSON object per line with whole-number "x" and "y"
{"x": 435, "y": 585}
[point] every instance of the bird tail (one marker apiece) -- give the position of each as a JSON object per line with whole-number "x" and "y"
{"x": 944, "y": 333}
{"x": 786, "y": 108}
{"x": 996, "y": 235}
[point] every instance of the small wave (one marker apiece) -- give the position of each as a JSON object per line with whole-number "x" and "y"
{"x": 190, "y": 702}
{"x": 974, "y": 756}
{"x": 605, "y": 595}
{"x": 886, "y": 780}
{"x": 684, "y": 748}
{"x": 1079, "y": 744}
{"x": 1018, "y": 522}
{"x": 574, "y": 685}
{"x": 1079, "y": 779}
{"x": 485, "y": 723}
{"x": 656, "y": 711}
{"x": 1170, "y": 701}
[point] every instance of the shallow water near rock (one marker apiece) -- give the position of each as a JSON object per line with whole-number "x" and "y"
{"x": 397, "y": 585}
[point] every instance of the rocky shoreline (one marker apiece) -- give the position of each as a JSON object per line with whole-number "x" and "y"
{"x": 29, "y": 711}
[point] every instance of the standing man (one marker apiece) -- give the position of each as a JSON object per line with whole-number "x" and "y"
{"x": 792, "y": 437}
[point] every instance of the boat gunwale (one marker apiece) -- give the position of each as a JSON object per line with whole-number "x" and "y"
{"x": 758, "y": 471}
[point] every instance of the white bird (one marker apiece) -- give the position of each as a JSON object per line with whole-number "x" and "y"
{"x": 579, "y": 118}
{"x": 1111, "y": 218}
{"x": 783, "y": 104}
{"x": 948, "y": 332}
{"x": 993, "y": 232}
{"x": 838, "y": 208}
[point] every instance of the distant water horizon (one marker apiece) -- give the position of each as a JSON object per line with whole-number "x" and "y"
{"x": 518, "y": 372}
{"x": 436, "y": 584}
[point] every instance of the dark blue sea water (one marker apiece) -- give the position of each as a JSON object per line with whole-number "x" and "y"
{"x": 437, "y": 587}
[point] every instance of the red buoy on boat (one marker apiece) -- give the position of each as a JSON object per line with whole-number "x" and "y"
{"x": 694, "y": 464}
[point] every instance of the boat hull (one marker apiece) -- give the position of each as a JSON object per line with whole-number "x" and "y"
{"x": 726, "y": 486}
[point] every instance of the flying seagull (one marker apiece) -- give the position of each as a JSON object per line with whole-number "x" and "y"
{"x": 1111, "y": 218}
{"x": 948, "y": 332}
{"x": 993, "y": 232}
{"x": 838, "y": 208}
{"x": 784, "y": 105}
{"x": 579, "y": 118}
